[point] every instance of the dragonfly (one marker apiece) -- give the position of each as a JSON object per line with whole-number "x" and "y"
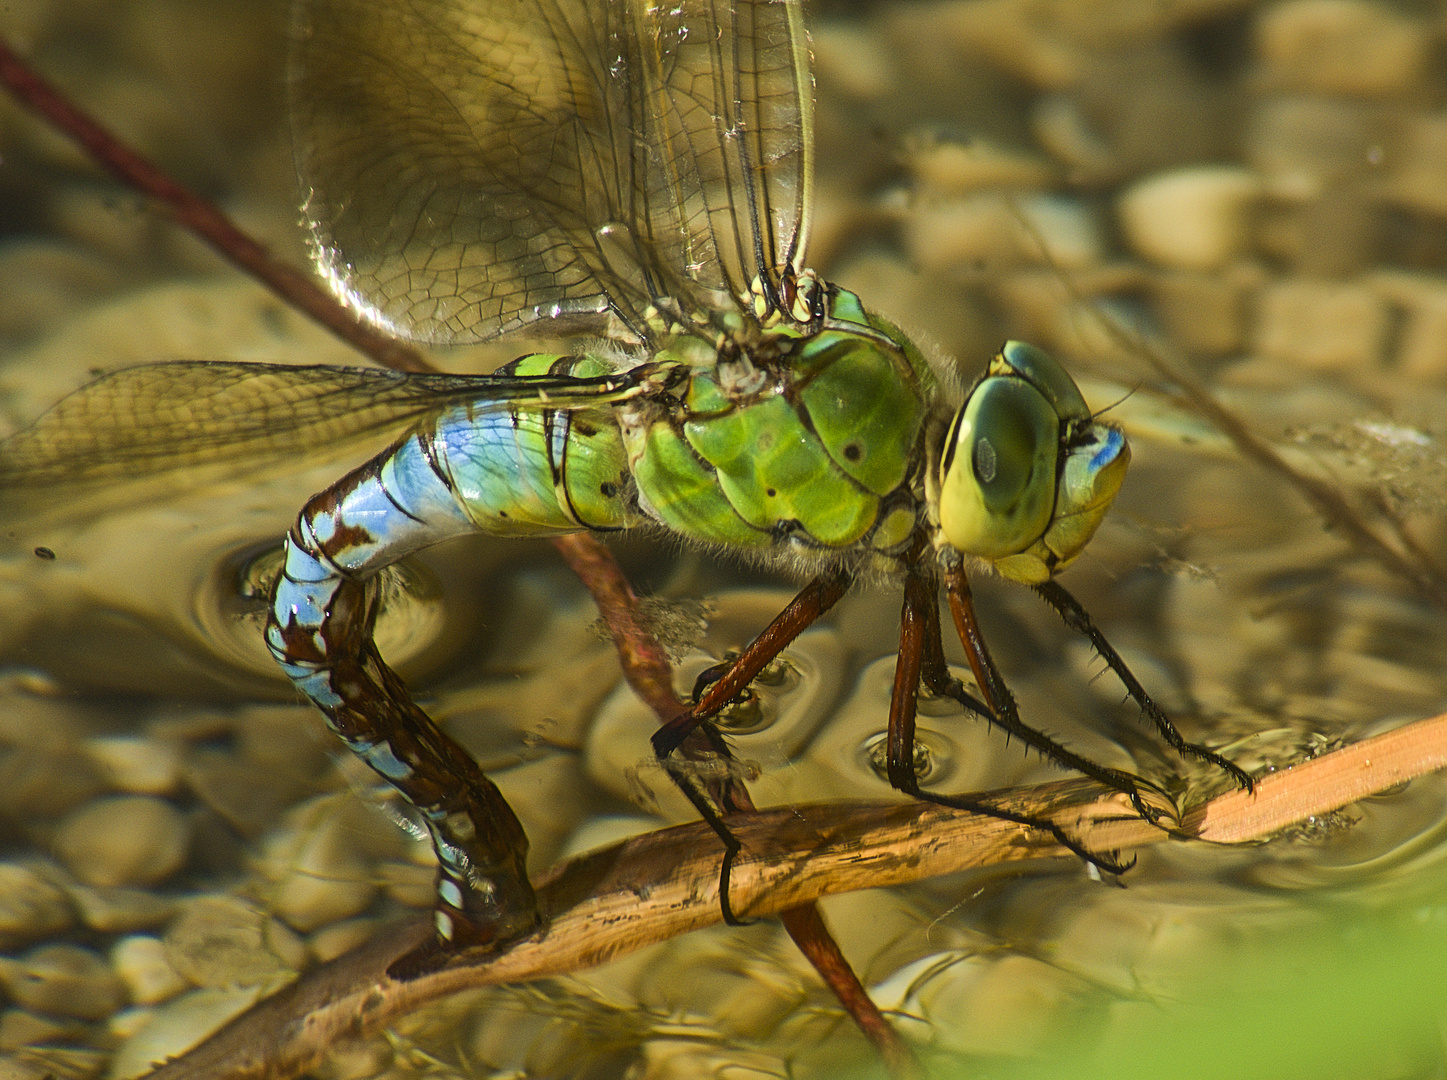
{"x": 638, "y": 175}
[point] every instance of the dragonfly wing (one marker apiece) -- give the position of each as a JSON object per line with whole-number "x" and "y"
{"x": 474, "y": 166}
{"x": 159, "y": 418}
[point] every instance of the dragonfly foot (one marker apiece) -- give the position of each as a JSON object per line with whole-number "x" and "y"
{"x": 1107, "y": 864}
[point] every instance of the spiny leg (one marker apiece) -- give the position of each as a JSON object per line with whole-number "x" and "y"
{"x": 718, "y": 686}
{"x": 1002, "y": 702}
{"x": 1078, "y": 620}
{"x": 921, "y": 655}
{"x": 813, "y": 601}
{"x": 713, "y": 799}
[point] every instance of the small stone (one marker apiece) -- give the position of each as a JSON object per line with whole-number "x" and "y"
{"x": 1422, "y": 340}
{"x": 1205, "y": 313}
{"x": 71, "y": 1062}
{"x": 136, "y": 764}
{"x": 1322, "y": 325}
{"x": 332, "y": 941}
{"x": 1191, "y": 219}
{"x": 177, "y": 1026}
{"x": 125, "y": 840}
{"x": 142, "y": 963}
{"x": 247, "y": 796}
{"x": 1061, "y": 128}
{"x": 1347, "y": 47}
{"x": 990, "y": 232}
{"x": 223, "y": 941}
{"x": 31, "y": 906}
{"x": 1302, "y": 146}
{"x": 1416, "y": 164}
{"x": 949, "y": 166}
{"x": 317, "y": 874}
{"x": 122, "y": 1025}
{"x": 65, "y": 980}
{"x": 19, "y": 1028}
{"x": 1011, "y": 35}
{"x": 118, "y": 910}
{"x": 43, "y": 782}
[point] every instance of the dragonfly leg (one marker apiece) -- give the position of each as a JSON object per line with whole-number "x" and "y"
{"x": 813, "y": 601}
{"x": 1007, "y": 715}
{"x": 1078, "y": 620}
{"x": 921, "y": 656}
{"x": 713, "y": 800}
{"x": 320, "y": 631}
{"x": 715, "y": 689}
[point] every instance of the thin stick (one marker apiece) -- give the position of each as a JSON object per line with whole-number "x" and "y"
{"x": 1323, "y": 784}
{"x": 609, "y": 903}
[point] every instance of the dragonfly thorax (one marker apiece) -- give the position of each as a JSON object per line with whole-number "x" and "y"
{"x": 805, "y": 441}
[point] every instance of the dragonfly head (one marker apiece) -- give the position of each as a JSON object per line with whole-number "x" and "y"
{"x": 1027, "y": 473}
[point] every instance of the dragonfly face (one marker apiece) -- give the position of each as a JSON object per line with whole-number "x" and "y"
{"x": 1027, "y": 472}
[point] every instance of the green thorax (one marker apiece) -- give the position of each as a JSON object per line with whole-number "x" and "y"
{"x": 814, "y": 439}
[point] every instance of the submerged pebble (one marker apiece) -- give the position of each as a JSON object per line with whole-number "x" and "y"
{"x": 136, "y": 764}
{"x": 949, "y": 166}
{"x": 120, "y": 910}
{"x": 65, "y": 980}
{"x": 1355, "y": 47}
{"x": 316, "y": 871}
{"x": 223, "y": 941}
{"x": 1420, "y": 300}
{"x": 32, "y": 905}
{"x": 124, "y": 840}
{"x": 19, "y": 1028}
{"x": 998, "y": 232}
{"x": 1191, "y": 219}
{"x": 1322, "y": 324}
{"x": 142, "y": 963}
{"x": 1417, "y": 164}
{"x": 178, "y": 1025}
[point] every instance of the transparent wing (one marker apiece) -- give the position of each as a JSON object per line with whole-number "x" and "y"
{"x": 143, "y": 421}
{"x": 474, "y": 166}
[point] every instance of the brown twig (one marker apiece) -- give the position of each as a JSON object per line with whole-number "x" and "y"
{"x": 608, "y": 903}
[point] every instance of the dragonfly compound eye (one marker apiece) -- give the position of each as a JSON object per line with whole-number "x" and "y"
{"x": 1027, "y": 474}
{"x": 998, "y": 488}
